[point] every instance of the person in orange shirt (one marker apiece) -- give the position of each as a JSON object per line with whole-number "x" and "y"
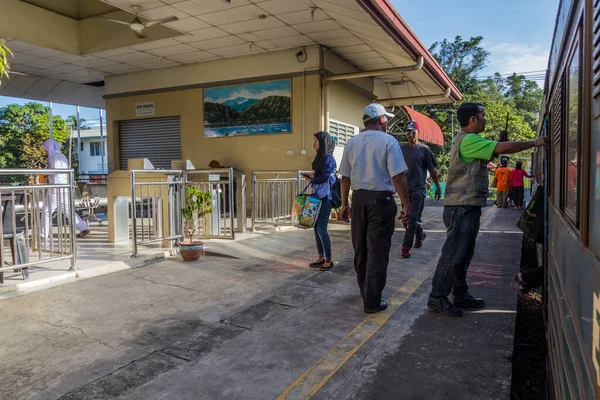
{"x": 502, "y": 183}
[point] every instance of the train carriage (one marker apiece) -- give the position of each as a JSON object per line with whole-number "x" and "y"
{"x": 569, "y": 169}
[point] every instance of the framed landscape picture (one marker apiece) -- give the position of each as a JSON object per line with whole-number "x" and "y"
{"x": 248, "y": 109}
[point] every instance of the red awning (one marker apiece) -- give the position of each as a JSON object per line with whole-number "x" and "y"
{"x": 429, "y": 131}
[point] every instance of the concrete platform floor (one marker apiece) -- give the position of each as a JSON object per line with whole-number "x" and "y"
{"x": 252, "y": 321}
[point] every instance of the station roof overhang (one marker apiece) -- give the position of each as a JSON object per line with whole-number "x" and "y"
{"x": 64, "y": 51}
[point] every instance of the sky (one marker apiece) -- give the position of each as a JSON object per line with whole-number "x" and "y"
{"x": 517, "y": 33}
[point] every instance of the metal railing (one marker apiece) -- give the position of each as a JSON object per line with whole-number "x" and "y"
{"x": 27, "y": 219}
{"x": 157, "y": 197}
{"x": 273, "y": 195}
{"x": 221, "y": 223}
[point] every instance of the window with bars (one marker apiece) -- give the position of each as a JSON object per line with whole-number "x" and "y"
{"x": 95, "y": 149}
{"x": 340, "y": 132}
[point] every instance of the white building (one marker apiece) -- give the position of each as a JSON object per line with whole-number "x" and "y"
{"x": 92, "y": 153}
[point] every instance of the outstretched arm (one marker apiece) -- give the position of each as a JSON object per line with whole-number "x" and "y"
{"x": 515, "y": 147}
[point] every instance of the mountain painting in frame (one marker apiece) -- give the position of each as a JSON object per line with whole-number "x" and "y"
{"x": 248, "y": 109}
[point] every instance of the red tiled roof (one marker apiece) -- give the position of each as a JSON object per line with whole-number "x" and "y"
{"x": 429, "y": 131}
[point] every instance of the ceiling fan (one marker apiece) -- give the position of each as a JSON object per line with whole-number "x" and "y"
{"x": 137, "y": 25}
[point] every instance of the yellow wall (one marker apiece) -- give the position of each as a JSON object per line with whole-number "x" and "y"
{"x": 245, "y": 153}
{"x": 345, "y": 104}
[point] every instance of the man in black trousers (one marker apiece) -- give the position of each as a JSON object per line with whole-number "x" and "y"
{"x": 373, "y": 166}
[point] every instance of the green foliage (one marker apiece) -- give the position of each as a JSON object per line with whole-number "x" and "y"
{"x": 513, "y": 96}
{"x": 72, "y": 123}
{"x": 23, "y": 129}
{"x": 198, "y": 204}
{"x": 4, "y": 66}
{"x": 461, "y": 59}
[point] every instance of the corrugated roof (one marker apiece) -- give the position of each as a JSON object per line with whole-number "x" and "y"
{"x": 429, "y": 131}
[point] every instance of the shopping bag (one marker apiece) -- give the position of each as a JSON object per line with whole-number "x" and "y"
{"x": 305, "y": 210}
{"x": 532, "y": 220}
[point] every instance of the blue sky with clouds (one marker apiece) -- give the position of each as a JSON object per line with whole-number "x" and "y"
{"x": 518, "y": 33}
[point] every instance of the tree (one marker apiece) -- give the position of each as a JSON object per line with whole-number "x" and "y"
{"x": 4, "y": 67}
{"x": 23, "y": 129}
{"x": 72, "y": 123}
{"x": 461, "y": 59}
{"x": 514, "y": 96}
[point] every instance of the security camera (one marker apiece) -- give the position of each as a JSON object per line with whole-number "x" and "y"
{"x": 301, "y": 55}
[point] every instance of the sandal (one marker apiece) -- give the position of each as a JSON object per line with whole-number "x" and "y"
{"x": 83, "y": 233}
{"x": 521, "y": 285}
{"x": 317, "y": 263}
{"x": 326, "y": 266}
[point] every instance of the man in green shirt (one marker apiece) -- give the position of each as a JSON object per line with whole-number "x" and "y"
{"x": 466, "y": 193}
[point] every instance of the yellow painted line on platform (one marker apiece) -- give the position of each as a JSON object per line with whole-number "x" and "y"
{"x": 315, "y": 378}
{"x": 311, "y": 381}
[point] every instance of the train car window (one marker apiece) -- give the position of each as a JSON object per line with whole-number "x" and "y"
{"x": 572, "y": 187}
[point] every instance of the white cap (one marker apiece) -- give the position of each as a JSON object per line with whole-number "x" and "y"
{"x": 375, "y": 110}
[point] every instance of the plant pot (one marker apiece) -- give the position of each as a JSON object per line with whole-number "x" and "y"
{"x": 191, "y": 251}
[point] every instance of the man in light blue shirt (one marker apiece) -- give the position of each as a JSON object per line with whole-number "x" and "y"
{"x": 373, "y": 166}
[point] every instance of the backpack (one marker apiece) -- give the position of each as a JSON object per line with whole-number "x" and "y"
{"x": 336, "y": 194}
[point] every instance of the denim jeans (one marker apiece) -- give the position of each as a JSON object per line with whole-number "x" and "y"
{"x": 321, "y": 235}
{"x": 417, "y": 203}
{"x": 451, "y": 272}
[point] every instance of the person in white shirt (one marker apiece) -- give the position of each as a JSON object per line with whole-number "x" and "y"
{"x": 57, "y": 160}
{"x": 373, "y": 166}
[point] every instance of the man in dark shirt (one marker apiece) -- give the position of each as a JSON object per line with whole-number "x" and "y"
{"x": 419, "y": 160}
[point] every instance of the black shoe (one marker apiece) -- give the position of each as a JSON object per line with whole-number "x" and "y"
{"x": 419, "y": 241}
{"x": 381, "y": 307}
{"x": 468, "y": 301}
{"x": 317, "y": 264}
{"x": 444, "y": 307}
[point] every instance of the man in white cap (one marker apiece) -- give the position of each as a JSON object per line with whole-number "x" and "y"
{"x": 373, "y": 166}
{"x": 57, "y": 199}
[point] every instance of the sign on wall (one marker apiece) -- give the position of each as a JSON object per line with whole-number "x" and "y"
{"x": 144, "y": 109}
{"x": 248, "y": 109}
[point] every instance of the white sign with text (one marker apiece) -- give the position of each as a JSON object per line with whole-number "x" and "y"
{"x": 144, "y": 109}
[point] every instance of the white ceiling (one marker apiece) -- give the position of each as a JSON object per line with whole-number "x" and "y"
{"x": 214, "y": 29}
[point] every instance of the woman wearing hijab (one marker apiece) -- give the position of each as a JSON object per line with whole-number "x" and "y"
{"x": 323, "y": 179}
{"x": 57, "y": 160}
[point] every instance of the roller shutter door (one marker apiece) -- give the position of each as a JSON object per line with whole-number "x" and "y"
{"x": 157, "y": 139}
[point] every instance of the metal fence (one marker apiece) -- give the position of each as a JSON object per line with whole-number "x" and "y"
{"x": 221, "y": 223}
{"x": 157, "y": 197}
{"x": 273, "y": 195}
{"x": 27, "y": 221}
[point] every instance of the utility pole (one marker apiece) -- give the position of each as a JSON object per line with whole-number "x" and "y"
{"x": 51, "y": 128}
{"x": 78, "y": 143}
{"x": 101, "y": 142}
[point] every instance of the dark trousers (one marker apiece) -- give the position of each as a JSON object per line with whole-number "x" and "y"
{"x": 373, "y": 224}
{"x": 321, "y": 235}
{"x": 450, "y": 275}
{"x": 518, "y": 192}
{"x": 417, "y": 203}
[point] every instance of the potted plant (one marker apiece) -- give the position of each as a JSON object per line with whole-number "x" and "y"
{"x": 198, "y": 204}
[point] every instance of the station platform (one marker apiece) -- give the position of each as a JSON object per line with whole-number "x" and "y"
{"x": 250, "y": 320}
